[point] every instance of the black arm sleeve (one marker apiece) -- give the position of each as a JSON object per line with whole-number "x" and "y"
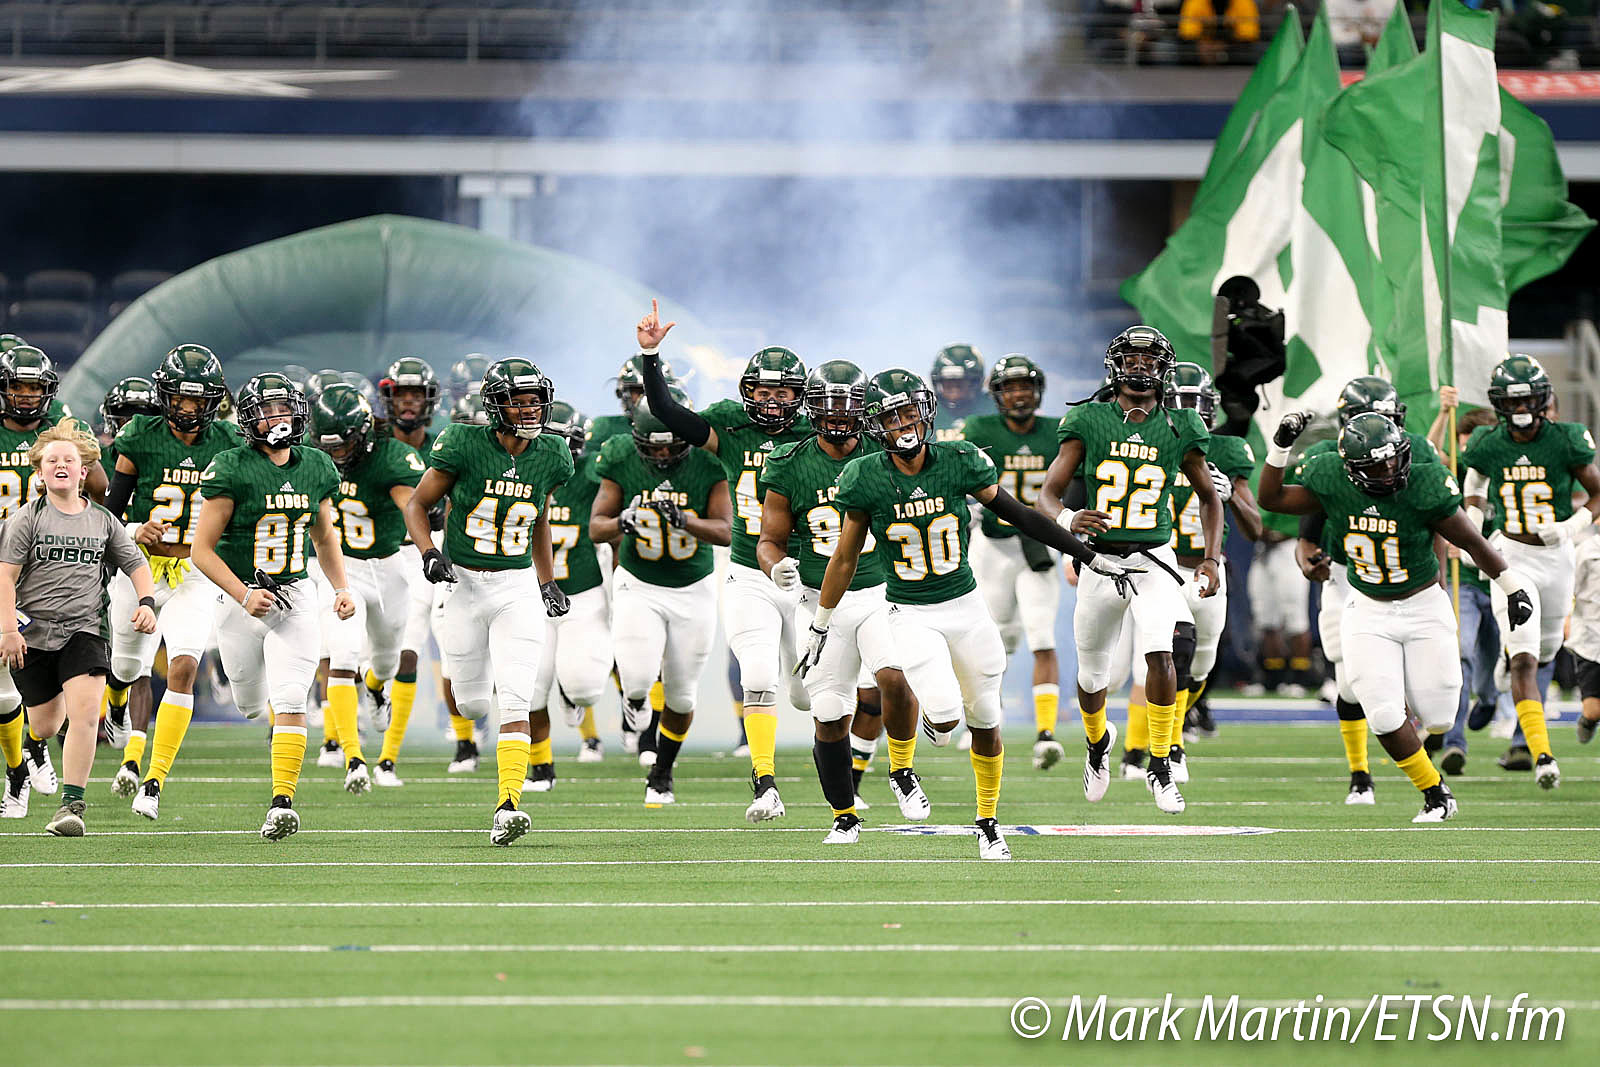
{"x": 679, "y": 419}
{"x": 120, "y": 493}
{"x": 1077, "y": 494}
{"x": 1036, "y": 526}
{"x": 1311, "y": 527}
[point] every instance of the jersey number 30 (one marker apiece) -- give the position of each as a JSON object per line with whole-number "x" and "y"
{"x": 942, "y": 553}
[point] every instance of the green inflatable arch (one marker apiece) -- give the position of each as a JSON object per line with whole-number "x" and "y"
{"x": 357, "y": 295}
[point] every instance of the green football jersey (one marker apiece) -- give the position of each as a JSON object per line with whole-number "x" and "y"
{"x": 168, "y": 484}
{"x": 1388, "y": 540}
{"x": 273, "y": 507}
{"x": 371, "y": 524}
{"x": 18, "y": 482}
{"x": 809, "y": 478}
{"x": 497, "y": 496}
{"x": 1230, "y": 455}
{"x": 1130, "y": 468}
{"x": 1021, "y": 459}
{"x": 577, "y": 567}
{"x": 742, "y": 448}
{"x": 603, "y": 429}
{"x": 1532, "y": 482}
{"x": 658, "y": 553}
{"x": 1422, "y": 451}
{"x": 920, "y": 520}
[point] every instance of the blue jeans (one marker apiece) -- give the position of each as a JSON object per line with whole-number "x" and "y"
{"x": 1480, "y": 649}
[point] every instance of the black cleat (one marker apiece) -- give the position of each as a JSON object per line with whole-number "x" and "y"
{"x": 1516, "y": 758}
{"x": 1454, "y": 760}
{"x": 1198, "y": 719}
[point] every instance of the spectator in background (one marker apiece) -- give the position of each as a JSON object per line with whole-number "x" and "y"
{"x": 1231, "y": 35}
{"x": 1356, "y": 26}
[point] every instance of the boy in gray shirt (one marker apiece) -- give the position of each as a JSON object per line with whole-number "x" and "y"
{"x": 56, "y": 554}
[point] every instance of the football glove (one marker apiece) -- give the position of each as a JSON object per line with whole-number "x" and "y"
{"x": 555, "y": 600}
{"x": 786, "y": 574}
{"x": 1222, "y": 482}
{"x": 1519, "y": 608}
{"x": 629, "y": 519}
{"x": 265, "y": 582}
{"x": 1120, "y": 573}
{"x": 1549, "y": 533}
{"x": 1290, "y": 428}
{"x": 436, "y": 568}
{"x": 670, "y": 513}
{"x": 813, "y": 653}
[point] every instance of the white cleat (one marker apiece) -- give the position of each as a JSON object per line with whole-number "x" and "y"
{"x": 647, "y": 757}
{"x": 766, "y": 806}
{"x": 991, "y": 843}
{"x": 126, "y": 783}
{"x": 1179, "y": 764}
{"x": 907, "y": 790}
{"x": 14, "y": 804}
{"x": 938, "y": 736}
{"x": 466, "y": 758}
{"x": 148, "y": 800}
{"x": 846, "y": 830}
{"x": 509, "y": 824}
{"x": 41, "y": 773}
{"x": 964, "y": 744}
{"x": 1438, "y": 804}
{"x": 379, "y": 708}
{"x": 593, "y": 751}
{"x": 1361, "y": 791}
{"x": 862, "y": 805}
{"x": 1132, "y": 772}
{"x": 1047, "y": 751}
{"x": 383, "y": 774}
{"x": 1546, "y": 772}
{"x": 116, "y": 722}
{"x": 1097, "y": 764}
{"x": 630, "y": 743}
{"x": 658, "y": 798}
{"x": 357, "y": 780}
{"x": 1168, "y": 799}
{"x": 541, "y": 778}
{"x": 281, "y": 823}
{"x": 330, "y": 755}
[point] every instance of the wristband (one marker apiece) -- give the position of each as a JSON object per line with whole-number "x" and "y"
{"x": 1506, "y": 583}
{"x": 650, "y": 351}
{"x": 342, "y": 589}
{"x": 132, "y": 528}
{"x": 1064, "y": 519}
{"x": 148, "y": 602}
{"x": 1211, "y": 559}
{"x": 1579, "y": 521}
{"x": 1278, "y": 455}
{"x": 820, "y": 620}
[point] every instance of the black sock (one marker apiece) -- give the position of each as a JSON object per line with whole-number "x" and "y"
{"x": 649, "y": 741}
{"x": 833, "y": 770}
{"x": 666, "y": 752}
{"x": 855, "y": 777}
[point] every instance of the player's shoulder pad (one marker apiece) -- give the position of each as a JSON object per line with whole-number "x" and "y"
{"x": 724, "y": 413}
{"x": 1422, "y": 450}
{"x": 1579, "y": 436}
{"x": 1480, "y": 436}
{"x": 784, "y": 451}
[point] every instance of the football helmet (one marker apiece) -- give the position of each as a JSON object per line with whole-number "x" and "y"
{"x": 889, "y": 394}
{"x": 1153, "y": 353}
{"x": 192, "y": 374}
{"x": 319, "y": 381}
{"x": 8, "y": 341}
{"x": 773, "y": 368}
{"x": 1376, "y": 454}
{"x": 468, "y": 408}
{"x": 568, "y": 422}
{"x": 466, "y": 374}
{"x": 1189, "y": 385}
{"x": 361, "y": 384}
{"x": 630, "y": 382}
{"x": 405, "y": 374}
{"x": 1010, "y": 370}
{"x": 958, "y": 375}
{"x": 26, "y": 365}
{"x": 836, "y": 400}
{"x": 655, "y": 443}
{"x": 129, "y": 397}
{"x": 342, "y": 425}
{"x": 272, "y": 390}
{"x": 1520, "y": 391}
{"x": 1369, "y": 393}
{"x": 508, "y": 379}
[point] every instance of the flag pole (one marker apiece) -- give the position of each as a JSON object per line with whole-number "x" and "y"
{"x": 1455, "y": 468}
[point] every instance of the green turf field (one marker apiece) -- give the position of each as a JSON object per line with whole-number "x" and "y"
{"x": 389, "y": 931}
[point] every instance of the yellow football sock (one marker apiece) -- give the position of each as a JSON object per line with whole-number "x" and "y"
{"x": 670, "y": 736}
{"x": 539, "y": 752}
{"x": 115, "y": 697}
{"x": 272, "y": 716}
{"x": 330, "y": 729}
{"x": 1161, "y": 728}
{"x": 288, "y": 753}
{"x": 511, "y": 760}
{"x": 1420, "y": 769}
{"x": 658, "y": 696}
{"x": 1046, "y": 706}
{"x": 374, "y": 683}
{"x": 1530, "y": 713}
{"x": 1197, "y": 691}
{"x": 1179, "y": 710}
{"x": 1299, "y": 663}
{"x": 986, "y": 771}
{"x": 738, "y": 708}
{"x": 35, "y": 738}
{"x": 1274, "y": 663}
{"x": 172, "y": 722}
{"x": 342, "y": 702}
{"x": 461, "y": 726}
{"x": 1094, "y": 723}
{"x": 586, "y": 728}
{"x": 133, "y": 751}
{"x": 761, "y": 731}
{"x": 1354, "y": 734}
{"x": 901, "y": 753}
{"x": 402, "y": 695}
{"x": 11, "y": 736}
{"x": 1138, "y": 727}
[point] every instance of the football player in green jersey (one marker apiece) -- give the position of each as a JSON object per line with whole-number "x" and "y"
{"x": 912, "y": 498}
{"x": 132, "y": 396}
{"x": 1530, "y": 468}
{"x": 28, "y": 384}
{"x": 800, "y": 528}
{"x": 1131, "y": 450}
{"x": 499, "y": 479}
{"x": 377, "y": 473}
{"x": 957, "y": 378}
{"x": 668, "y": 502}
{"x": 58, "y": 407}
{"x": 261, "y": 503}
{"x": 1017, "y": 575}
{"x": 757, "y": 615}
{"x": 1398, "y": 628}
{"x": 1319, "y": 552}
{"x": 577, "y": 655}
{"x": 156, "y": 487}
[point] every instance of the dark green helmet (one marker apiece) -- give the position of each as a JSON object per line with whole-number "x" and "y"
{"x": 836, "y": 400}
{"x": 466, "y": 374}
{"x": 1520, "y": 391}
{"x": 129, "y": 397}
{"x": 468, "y": 408}
{"x": 772, "y": 368}
{"x": 506, "y": 381}
{"x": 1151, "y": 348}
{"x": 568, "y": 422}
{"x": 361, "y": 384}
{"x": 892, "y": 391}
{"x": 630, "y": 382}
{"x": 26, "y": 365}
{"x": 414, "y": 409}
{"x": 1376, "y": 454}
{"x": 1189, "y": 385}
{"x": 1010, "y": 370}
{"x": 8, "y": 341}
{"x": 319, "y": 381}
{"x": 1369, "y": 393}
{"x": 342, "y": 425}
{"x": 655, "y": 443}
{"x": 268, "y": 396}
{"x": 190, "y": 384}
{"x": 958, "y": 376}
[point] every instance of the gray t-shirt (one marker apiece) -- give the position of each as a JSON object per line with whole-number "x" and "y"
{"x": 65, "y": 561}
